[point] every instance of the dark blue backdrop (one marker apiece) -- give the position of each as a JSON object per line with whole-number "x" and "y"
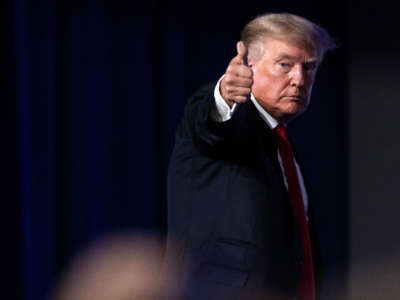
{"x": 94, "y": 90}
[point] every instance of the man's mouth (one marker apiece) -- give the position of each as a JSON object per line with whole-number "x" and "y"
{"x": 295, "y": 98}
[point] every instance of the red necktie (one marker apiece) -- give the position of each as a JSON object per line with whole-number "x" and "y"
{"x": 307, "y": 284}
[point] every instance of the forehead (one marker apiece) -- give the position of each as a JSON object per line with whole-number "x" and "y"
{"x": 280, "y": 49}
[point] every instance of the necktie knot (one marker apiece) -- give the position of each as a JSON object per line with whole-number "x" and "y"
{"x": 280, "y": 130}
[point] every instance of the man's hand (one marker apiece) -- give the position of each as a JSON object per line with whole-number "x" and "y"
{"x": 236, "y": 85}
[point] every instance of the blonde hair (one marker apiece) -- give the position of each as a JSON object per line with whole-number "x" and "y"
{"x": 289, "y": 28}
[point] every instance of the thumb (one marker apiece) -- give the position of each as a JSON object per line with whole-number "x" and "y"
{"x": 242, "y": 52}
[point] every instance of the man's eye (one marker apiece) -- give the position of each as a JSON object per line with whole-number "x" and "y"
{"x": 284, "y": 65}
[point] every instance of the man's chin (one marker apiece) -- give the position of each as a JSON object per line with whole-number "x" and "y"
{"x": 293, "y": 112}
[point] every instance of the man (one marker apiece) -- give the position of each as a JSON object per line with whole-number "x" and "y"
{"x": 237, "y": 203}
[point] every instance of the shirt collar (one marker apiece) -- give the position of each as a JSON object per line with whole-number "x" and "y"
{"x": 271, "y": 122}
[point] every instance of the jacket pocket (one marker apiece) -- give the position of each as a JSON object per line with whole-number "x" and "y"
{"x": 229, "y": 261}
{"x": 233, "y": 253}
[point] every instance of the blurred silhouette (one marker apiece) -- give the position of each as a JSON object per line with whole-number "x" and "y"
{"x": 119, "y": 267}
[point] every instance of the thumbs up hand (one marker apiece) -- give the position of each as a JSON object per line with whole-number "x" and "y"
{"x": 236, "y": 85}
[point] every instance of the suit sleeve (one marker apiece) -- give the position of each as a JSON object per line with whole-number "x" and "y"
{"x": 208, "y": 136}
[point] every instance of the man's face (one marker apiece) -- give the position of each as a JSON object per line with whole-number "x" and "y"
{"x": 283, "y": 78}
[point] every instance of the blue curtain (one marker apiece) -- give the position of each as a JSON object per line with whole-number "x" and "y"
{"x": 94, "y": 91}
{"x": 91, "y": 81}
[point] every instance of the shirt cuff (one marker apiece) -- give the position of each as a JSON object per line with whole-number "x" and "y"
{"x": 221, "y": 111}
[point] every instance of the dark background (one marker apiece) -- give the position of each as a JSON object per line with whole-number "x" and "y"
{"x": 92, "y": 94}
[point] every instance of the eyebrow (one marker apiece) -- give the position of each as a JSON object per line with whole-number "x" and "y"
{"x": 291, "y": 57}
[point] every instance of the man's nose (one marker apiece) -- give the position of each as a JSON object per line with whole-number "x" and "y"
{"x": 297, "y": 76}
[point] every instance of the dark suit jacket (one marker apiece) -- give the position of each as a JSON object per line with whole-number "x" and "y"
{"x": 228, "y": 208}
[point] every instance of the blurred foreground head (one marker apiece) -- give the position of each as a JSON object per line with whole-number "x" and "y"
{"x": 122, "y": 267}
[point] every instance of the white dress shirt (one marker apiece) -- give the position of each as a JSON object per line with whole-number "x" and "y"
{"x": 222, "y": 112}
